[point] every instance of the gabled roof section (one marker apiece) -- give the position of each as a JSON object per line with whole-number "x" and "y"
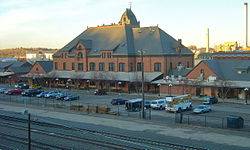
{"x": 46, "y": 65}
{"x": 229, "y": 69}
{"x": 86, "y": 43}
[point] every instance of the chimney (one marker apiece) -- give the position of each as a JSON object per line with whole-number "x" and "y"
{"x": 246, "y": 4}
{"x": 207, "y": 38}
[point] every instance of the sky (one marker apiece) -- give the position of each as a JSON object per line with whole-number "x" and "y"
{"x": 54, "y": 23}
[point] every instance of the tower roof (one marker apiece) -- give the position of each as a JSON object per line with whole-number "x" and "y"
{"x": 128, "y": 18}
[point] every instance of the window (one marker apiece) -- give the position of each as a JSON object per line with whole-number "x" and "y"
{"x": 56, "y": 65}
{"x": 109, "y": 55}
{"x": 122, "y": 67}
{"x": 157, "y": 67}
{"x": 73, "y": 66}
{"x": 80, "y": 66}
{"x": 171, "y": 66}
{"x": 103, "y": 55}
{"x": 111, "y": 67}
{"x": 139, "y": 66}
{"x": 202, "y": 70}
{"x": 80, "y": 55}
{"x": 101, "y": 66}
{"x": 92, "y": 66}
{"x": 64, "y": 65}
{"x": 37, "y": 69}
{"x": 188, "y": 64}
{"x": 131, "y": 67}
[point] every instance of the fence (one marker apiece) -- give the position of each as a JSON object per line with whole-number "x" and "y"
{"x": 207, "y": 121}
{"x": 119, "y": 110}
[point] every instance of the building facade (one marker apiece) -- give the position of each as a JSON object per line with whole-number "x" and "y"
{"x": 110, "y": 54}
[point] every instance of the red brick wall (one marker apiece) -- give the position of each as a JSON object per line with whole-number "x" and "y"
{"x": 37, "y": 69}
{"x": 177, "y": 89}
{"x": 149, "y": 62}
{"x": 195, "y": 73}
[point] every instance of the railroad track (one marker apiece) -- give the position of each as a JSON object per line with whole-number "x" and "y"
{"x": 102, "y": 143}
{"x": 141, "y": 142}
{"x": 22, "y": 140}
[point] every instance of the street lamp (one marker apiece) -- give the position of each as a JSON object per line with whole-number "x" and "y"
{"x": 159, "y": 94}
{"x": 68, "y": 83}
{"x": 9, "y": 80}
{"x": 246, "y": 93}
{"x": 88, "y": 84}
{"x": 170, "y": 85}
{"x": 119, "y": 86}
{"x": 142, "y": 85}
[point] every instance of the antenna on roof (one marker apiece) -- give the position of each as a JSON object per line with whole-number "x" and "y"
{"x": 130, "y": 4}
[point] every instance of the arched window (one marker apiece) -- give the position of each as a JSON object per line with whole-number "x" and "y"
{"x": 92, "y": 66}
{"x": 80, "y": 55}
{"x": 121, "y": 67}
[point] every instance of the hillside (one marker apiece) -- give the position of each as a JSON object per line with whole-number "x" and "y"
{"x": 20, "y": 52}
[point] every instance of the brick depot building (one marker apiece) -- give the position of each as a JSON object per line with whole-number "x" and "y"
{"x": 227, "y": 78}
{"x": 107, "y": 56}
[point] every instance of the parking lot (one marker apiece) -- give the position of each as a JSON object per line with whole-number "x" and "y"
{"x": 217, "y": 117}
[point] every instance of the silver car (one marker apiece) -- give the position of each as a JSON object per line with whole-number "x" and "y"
{"x": 202, "y": 109}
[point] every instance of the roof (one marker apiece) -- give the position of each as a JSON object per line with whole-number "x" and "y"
{"x": 17, "y": 67}
{"x": 234, "y": 70}
{"x": 127, "y": 40}
{"x": 108, "y": 76}
{"x": 20, "y": 67}
{"x": 182, "y": 71}
{"x": 46, "y": 65}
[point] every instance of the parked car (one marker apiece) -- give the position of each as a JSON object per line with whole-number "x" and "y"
{"x": 22, "y": 86}
{"x": 51, "y": 94}
{"x": 158, "y": 104}
{"x": 208, "y": 100}
{"x": 2, "y": 90}
{"x": 42, "y": 94}
{"x": 71, "y": 98}
{"x": 118, "y": 101}
{"x": 100, "y": 92}
{"x": 14, "y": 92}
{"x": 147, "y": 104}
{"x": 202, "y": 109}
{"x": 61, "y": 96}
{"x": 31, "y": 92}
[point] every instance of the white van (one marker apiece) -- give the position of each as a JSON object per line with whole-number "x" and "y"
{"x": 158, "y": 104}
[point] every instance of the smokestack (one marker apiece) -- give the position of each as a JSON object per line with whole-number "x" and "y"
{"x": 246, "y": 24}
{"x": 207, "y": 36}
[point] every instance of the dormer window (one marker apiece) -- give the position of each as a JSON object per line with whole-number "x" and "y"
{"x": 79, "y": 47}
{"x": 80, "y": 55}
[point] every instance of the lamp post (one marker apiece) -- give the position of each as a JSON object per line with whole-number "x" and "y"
{"x": 68, "y": 83}
{"x": 170, "y": 92}
{"x": 159, "y": 85}
{"x": 246, "y": 93}
{"x": 142, "y": 85}
{"x": 88, "y": 84}
{"x": 9, "y": 80}
{"x": 119, "y": 87}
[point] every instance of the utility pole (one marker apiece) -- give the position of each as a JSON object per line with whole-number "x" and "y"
{"x": 246, "y": 4}
{"x": 29, "y": 137}
{"x": 142, "y": 84}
